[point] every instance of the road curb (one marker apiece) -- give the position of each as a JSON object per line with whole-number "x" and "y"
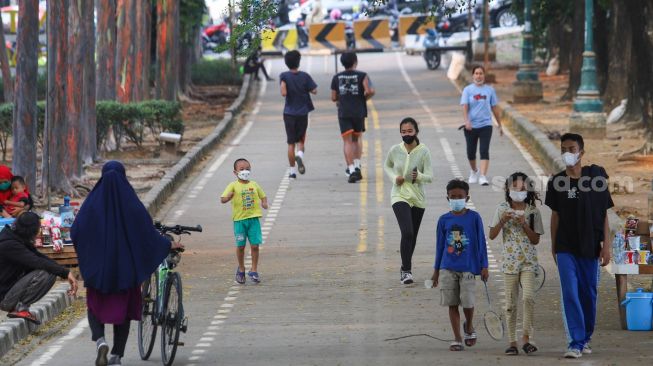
{"x": 176, "y": 175}
{"x": 545, "y": 152}
{"x": 57, "y": 299}
{"x": 13, "y": 331}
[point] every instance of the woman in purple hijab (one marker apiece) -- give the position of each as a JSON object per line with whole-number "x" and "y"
{"x": 118, "y": 248}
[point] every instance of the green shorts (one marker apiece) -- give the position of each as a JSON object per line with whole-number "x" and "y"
{"x": 248, "y": 229}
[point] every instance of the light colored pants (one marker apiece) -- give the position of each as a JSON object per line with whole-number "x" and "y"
{"x": 511, "y": 282}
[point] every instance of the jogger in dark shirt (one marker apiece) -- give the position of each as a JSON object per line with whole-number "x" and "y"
{"x": 351, "y": 89}
{"x": 579, "y": 199}
{"x": 297, "y": 87}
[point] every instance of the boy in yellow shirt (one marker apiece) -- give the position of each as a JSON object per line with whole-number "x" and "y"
{"x": 245, "y": 195}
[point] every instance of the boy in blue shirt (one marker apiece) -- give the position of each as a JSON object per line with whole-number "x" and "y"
{"x": 460, "y": 256}
{"x": 297, "y": 87}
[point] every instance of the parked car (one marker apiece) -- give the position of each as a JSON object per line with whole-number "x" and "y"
{"x": 502, "y": 15}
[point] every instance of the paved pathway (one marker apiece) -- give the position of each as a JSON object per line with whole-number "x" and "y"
{"x": 330, "y": 265}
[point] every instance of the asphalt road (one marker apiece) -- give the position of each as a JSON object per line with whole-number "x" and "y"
{"x": 330, "y": 291}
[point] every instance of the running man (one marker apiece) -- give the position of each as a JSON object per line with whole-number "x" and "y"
{"x": 297, "y": 87}
{"x": 350, "y": 90}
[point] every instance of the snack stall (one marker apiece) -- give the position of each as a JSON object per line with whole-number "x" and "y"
{"x": 55, "y": 239}
{"x": 631, "y": 255}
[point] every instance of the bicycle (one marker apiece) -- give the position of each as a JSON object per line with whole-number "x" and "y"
{"x": 162, "y": 302}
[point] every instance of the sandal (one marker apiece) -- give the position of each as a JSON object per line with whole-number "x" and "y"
{"x": 456, "y": 346}
{"x": 529, "y": 348}
{"x": 470, "y": 338}
{"x": 512, "y": 351}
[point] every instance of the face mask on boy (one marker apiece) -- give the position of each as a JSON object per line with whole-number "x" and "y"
{"x": 570, "y": 159}
{"x": 457, "y": 205}
{"x": 244, "y": 174}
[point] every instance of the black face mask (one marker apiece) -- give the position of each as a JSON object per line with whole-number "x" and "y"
{"x": 408, "y": 139}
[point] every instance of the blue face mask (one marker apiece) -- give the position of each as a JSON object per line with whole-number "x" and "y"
{"x": 457, "y": 205}
{"x": 5, "y": 186}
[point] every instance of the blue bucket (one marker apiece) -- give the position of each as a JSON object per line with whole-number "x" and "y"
{"x": 6, "y": 221}
{"x": 639, "y": 310}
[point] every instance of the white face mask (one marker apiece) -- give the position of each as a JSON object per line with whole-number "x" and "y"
{"x": 570, "y": 159}
{"x": 518, "y": 196}
{"x": 244, "y": 174}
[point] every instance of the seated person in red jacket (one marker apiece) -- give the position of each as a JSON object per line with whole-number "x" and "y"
{"x": 19, "y": 197}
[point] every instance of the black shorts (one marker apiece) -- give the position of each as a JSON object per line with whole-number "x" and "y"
{"x": 484, "y": 134}
{"x": 295, "y": 127}
{"x": 351, "y": 125}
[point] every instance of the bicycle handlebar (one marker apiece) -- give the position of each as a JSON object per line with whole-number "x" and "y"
{"x": 177, "y": 229}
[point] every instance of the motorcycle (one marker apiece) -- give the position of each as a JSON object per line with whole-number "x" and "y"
{"x": 302, "y": 32}
{"x": 431, "y": 54}
{"x": 214, "y": 36}
{"x": 349, "y": 30}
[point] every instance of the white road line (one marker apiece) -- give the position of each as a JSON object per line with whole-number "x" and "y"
{"x": 55, "y": 348}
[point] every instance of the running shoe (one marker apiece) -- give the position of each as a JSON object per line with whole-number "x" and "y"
{"x": 253, "y": 276}
{"x": 355, "y": 176}
{"x": 473, "y": 177}
{"x": 587, "y": 349}
{"x": 102, "y": 351}
{"x": 114, "y": 360}
{"x": 300, "y": 165}
{"x": 406, "y": 278}
{"x": 24, "y": 314}
{"x": 292, "y": 176}
{"x": 240, "y": 276}
{"x": 482, "y": 180}
{"x": 573, "y": 353}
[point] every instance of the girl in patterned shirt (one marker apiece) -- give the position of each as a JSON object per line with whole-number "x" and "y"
{"x": 521, "y": 223}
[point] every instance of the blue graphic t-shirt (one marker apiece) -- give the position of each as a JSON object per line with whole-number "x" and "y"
{"x": 460, "y": 244}
{"x": 298, "y": 87}
{"x": 480, "y": 99}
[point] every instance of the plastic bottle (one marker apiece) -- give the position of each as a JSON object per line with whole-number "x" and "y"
{"x": 67, "y": 218}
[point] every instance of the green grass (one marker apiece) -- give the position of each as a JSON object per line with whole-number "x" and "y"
{"x": 215, "y": 72}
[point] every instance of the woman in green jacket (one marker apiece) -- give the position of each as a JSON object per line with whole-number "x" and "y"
{"x": 408, "y": 166}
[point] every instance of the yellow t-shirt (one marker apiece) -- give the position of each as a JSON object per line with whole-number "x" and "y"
{"x": 246, "y": 202}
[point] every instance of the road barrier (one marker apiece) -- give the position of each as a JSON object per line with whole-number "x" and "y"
{"x": 327, "y": 36}
{"x": 414, "y": 25}
{"x": 372, "y": 34}
{"x": 281, "y": 39}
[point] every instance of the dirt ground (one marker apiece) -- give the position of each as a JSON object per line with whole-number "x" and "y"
{"x": 631, "y": 180}
{"x": 146, "y": 165}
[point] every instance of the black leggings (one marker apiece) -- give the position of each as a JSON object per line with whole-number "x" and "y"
{"x": 120, "y": 334}
{"x": 409, "y": 219}
{"x": 485, "y": 135}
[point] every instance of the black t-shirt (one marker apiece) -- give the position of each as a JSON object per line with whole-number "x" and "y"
{"x": 582, "y": 206}
{"x": 351, "y": 94}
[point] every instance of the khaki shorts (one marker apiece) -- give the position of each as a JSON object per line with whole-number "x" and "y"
{"x": 457, "y": 288}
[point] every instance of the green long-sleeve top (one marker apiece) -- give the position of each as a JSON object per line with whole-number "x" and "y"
{"x": 401, "y": 163}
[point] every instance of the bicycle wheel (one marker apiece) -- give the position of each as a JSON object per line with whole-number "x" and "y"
{"x": 147, "y": 324}
{"x": 172, "y": 318}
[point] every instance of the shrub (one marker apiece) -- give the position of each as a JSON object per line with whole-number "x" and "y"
{"x": 130, "y": 120}
{"x": 215, "y": 72}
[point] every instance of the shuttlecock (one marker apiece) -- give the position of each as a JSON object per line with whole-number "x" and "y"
{"x": 616, "y": 114}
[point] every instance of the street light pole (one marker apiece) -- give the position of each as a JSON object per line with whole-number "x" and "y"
{"x": 588, "y": 116}
{"x": 527, "y": 88}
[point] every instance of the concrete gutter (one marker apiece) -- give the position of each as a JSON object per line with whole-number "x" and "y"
{"x": 55, "y": 301}
{"x": 46, "y": 309}
{"x": 543, "y": 150}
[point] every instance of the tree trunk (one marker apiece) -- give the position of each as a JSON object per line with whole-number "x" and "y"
{"x": 167, "y": 49}
{"x": 74, "y": 94}
{"x": 564, "y": 33}
{"x": 620, "y": 41}
{"x": 106, "y": 50}
{"x": 147, "y": 58}
{"x": 88, "y": 126}
{"x": 25, "y": 114}
{"x": 55, "y": 151}
{"x": 141, "y": 45}
{"x": 125, "y": 60}
{"x": 577, "y": 47}
{"x": 7, "y": 80}
{"x": 641, "y": 93}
